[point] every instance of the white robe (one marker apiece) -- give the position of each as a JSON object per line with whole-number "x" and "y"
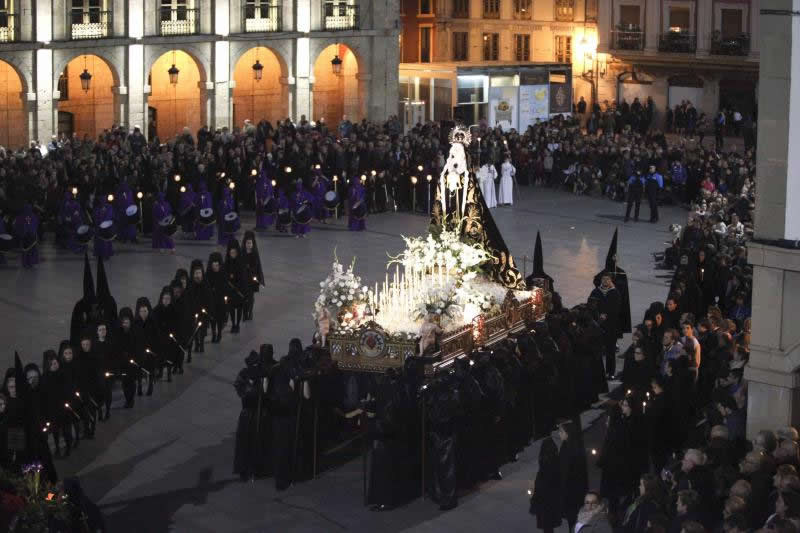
{"x": 506, "y": 190}
{"x": 486, "y": 176}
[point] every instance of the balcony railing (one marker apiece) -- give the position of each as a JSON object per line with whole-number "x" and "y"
{"x": 263, "y": 18}
{"x": 91, "y": 24}
{"x": 730, "y": 46}
{"x": 459, "y": 13}
{"x": 180, "y": 21}
{"x": 522, "y": 14}
{"x": 8, "y": 28}
{"x": 491, "y": 14}
{"x": 677, "y": 42}
{"x": 627, "y": 40}
{"x": 340, "y": 16}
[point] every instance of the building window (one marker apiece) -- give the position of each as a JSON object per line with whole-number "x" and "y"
{"x": 178, "y": 17}
{"x": 491, "y": 9}
{"x": 565, "y": 10}
{"x": 731, "y": 23}
{"x": 261, "y": 15}
{"x": 491, "y": 46}
{"x": 460, "y": 46}
{"x": 522, "y": 47}
{"x": 340, "y": 15}
{"x": 630, "y": 17}
{"x": 89, "y": 19}
{"x": 7, "y": 21}
{"x": 591, "y": 11}
{"x": 425, "y": 44}
{"x": 563, "y": 48}
{"x": 523, "y": 9}
{"x": 680, "y": 19}
{"x": 460, "y": 9}
{"x": 425, "y": 7}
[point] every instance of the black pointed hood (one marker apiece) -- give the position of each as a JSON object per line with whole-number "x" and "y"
{"x": 89, "y": 295}
{"x": 611, "y": 257}
{"x": 538, "y": 264}
{"x": 108, "y": 305}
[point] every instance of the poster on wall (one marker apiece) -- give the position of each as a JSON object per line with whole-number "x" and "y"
{"x": 534, "y": 102}
{"x": 560, "y": 96}
{"x": 503, "y": 107}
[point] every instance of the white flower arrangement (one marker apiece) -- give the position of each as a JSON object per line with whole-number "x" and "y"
{"x": 341, "y": 291}
{"x": 438, "y": 301}
{"x": 445, "y": 250}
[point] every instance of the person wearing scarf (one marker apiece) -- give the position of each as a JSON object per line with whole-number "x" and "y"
{"x": 593, "y": 516}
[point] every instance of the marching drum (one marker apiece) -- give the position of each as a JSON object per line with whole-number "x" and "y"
{"x": 270, "y": 206}
{"x": 132, "y": 214}
{"x": 207, "y": 217}
{"x": 29, "y": 240}
{"x": 331, "y": 199}
{"x": 284, "y": 217}
{"x": 302, "y": 214}
{"x": 83, "y": 234}
{"x": 230, "y": 223}
{"x": 168, "y": 225}
{"x": 6, "y": 242}
{"x": 360, "y": 210}
{"x": 106, "y": 231}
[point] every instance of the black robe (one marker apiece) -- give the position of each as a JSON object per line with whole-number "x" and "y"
{"x": 219, "y": 290}
{"x": 166, "y": 320}
{"x": 253, "y": 432}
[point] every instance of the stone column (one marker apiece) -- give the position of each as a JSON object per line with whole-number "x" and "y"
{"x": 705, "y": 25}
{"x": 774, "y": 384}
{"x": 207, "y": 98}
{"x": 755, "y": 31}
{"x": 605, "y": 25}
{"x": 302, "y": 78}
{"x": 652, "y": 24}
{"x": 45, "y": 123}
{"x": 120, "y": 98}
{"x": 222, "y": 90}
{"x": 137, "y": 100}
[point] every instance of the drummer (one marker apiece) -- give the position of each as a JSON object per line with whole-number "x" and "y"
{"x": 358, "y": 198}
{"x": 161, "y": 209}
{"x": 203, "y": 232}
{"x": 187, "y": 209}
{"x": 103, "y": 218}
{"x": 26, "y": 228}
{"x": 71, "y": 217}
{"x": 226, "y": 206}
{"x": 301, "y": 200}
{"x": 125, "y": 203}
{"x": 283, "y": 206}
{"x": 320, "y": 185}
{"x": 264, "y": 193}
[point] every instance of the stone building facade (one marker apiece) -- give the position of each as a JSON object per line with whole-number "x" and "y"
{"x": 705, "y": 51}
{"x": 80, "y": 66}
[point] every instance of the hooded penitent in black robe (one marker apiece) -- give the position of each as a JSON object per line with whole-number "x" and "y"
{"x": 442, "y": 408}
{"x": 218, "y": 285}
{"x": 253, "y": 432}
{"x": 32, "y": 401}
{"x": 146, "y": 333}
{"x": 387, "y": 457}
{"x": 237, "y": 286}
{"x": 54, "y": 393}
{"x": 166, "y": 323}
{"x": 283, "y": 412}
{"x": 201, "y": 301}
{"x": 620, "y": 279}
{"x": 253, "y": 272}
{"x": 125, "y": 352}
{"x": 84, "y": 314}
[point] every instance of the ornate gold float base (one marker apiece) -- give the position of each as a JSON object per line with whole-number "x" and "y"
{"x": 372, "y": 349}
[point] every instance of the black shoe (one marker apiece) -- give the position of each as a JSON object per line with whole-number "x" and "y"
{"x": 496, "y": 476}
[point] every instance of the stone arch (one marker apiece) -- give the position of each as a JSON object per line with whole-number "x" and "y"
{"x": 356, "y": 46}
{"x": 201, "y": 57}
{"x": 13, "y": 119}
{"x": 281, "y": 48}
{"x": 173, "y": 107}
{"x": 264, "y": 99}
{"x": 335, "y": 96}
{"x": 23, "y": 66}
{"x": 86, "y": 113}
{"x": 65, "y": 56}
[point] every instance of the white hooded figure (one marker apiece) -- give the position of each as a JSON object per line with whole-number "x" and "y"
{"x": 507, "y": 173}
{"x": 486, "y": 176}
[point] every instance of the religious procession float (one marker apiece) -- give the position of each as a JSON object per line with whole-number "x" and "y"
{"x": 448, "y": 292}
